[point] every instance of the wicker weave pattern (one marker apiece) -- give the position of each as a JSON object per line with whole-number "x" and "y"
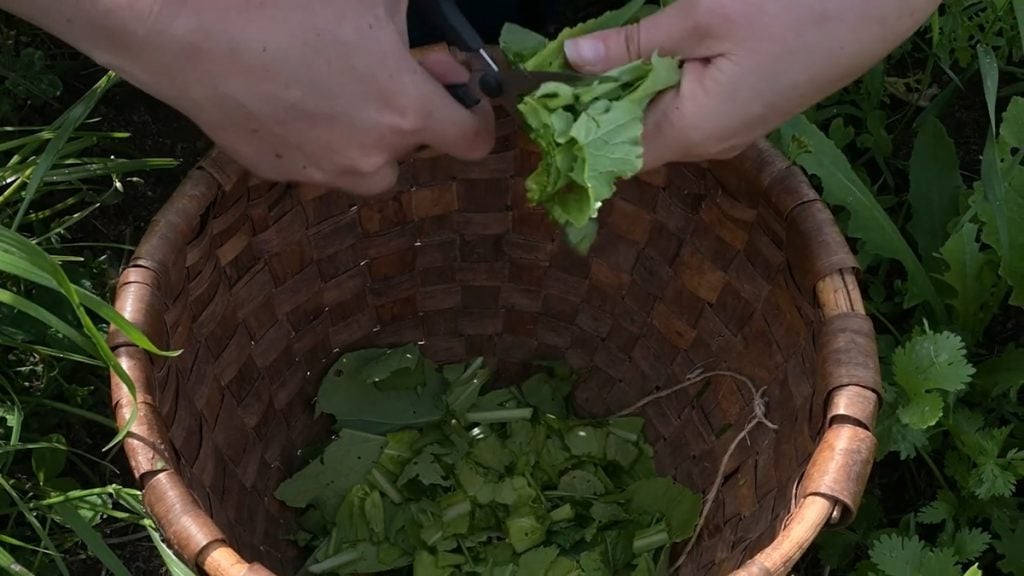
{"x": 690, "y": 268}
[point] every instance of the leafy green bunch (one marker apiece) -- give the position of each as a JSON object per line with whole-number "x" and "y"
{"x": 589, "y": 133}
{"x": 428, "y": 474}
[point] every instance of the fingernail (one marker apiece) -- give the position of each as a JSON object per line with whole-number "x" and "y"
{"x": 584, "y": 52}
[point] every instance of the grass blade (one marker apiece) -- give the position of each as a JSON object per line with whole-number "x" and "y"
{"x": 11, "y": 566}
{"x": 43, "y": 536}
{"x": 74, "y": 117}
{"x": 41, "y": 314}
{"x": 69, "y": 514}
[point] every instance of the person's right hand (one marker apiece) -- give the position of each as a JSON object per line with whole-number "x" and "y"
{"x": 317, "y": 91}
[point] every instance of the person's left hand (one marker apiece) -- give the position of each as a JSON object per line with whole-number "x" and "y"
{"x": 749, "y": 65}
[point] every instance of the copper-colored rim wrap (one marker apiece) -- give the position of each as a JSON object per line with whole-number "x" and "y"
{"x": 197, "y": 230}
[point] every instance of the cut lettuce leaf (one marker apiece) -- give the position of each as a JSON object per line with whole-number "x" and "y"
{"x": 590, "y": 135}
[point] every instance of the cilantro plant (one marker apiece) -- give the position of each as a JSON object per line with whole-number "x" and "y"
{"x": 589, "y": 134}
{"x": 936, "y": 215}
{"x": 430, "y": 476}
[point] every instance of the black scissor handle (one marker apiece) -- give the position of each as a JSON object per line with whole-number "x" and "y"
{"x": 446, "y": 16}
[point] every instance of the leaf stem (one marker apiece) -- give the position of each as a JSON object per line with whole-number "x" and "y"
{"x": 935, "y": 469}
{"x": 498, "y": 416}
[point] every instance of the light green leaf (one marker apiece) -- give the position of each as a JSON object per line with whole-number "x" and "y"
{"x": 664, "y": 497}
{"x": 552, "y": 56}
{"x": 520, "y": 44}
{"x": 935, "y": 186}
{"x": 868, "y": 220}
{"x": 928, "y": 363}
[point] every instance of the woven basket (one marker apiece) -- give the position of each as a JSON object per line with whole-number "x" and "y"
{"x": 735, "y": 265}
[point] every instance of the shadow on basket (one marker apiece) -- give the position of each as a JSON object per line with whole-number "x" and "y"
{"x": 736, "y": 267}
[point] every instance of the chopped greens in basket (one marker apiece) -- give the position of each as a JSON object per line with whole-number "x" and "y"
{"x": 428, "y": 475}
{"x": 590, "y": 135}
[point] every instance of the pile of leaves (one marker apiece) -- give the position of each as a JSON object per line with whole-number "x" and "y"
{"x": 589, "y": 132}
{"x": 429, "y": 476}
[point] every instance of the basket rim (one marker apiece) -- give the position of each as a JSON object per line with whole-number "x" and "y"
{"x": 827, "y": 493}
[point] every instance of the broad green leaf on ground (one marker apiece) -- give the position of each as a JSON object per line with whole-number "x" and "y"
{"x": 935, "y": 186}
{"x": 344, "y": 464}
{"x": 810, "y": 148}
{"x": 1001, "y": 208}
{"x": 973, "y": 275}
{"x": 926, "y": 364}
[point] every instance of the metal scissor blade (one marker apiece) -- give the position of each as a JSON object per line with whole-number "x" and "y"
{"x": 520, "y": 82}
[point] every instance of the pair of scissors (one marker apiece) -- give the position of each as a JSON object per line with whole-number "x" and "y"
{"x": 498, "y": 82}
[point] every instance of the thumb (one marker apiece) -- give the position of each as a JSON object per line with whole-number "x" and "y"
{"x": 671, "y": 31}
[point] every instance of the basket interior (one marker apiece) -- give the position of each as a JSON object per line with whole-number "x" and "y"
{"x": 277, "y": 281}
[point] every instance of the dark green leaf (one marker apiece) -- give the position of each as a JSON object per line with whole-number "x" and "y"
{"x": 347, "y": 395}
{"x": 935, "y": 186}
{"x": 48, "y": 463}
{"x": 664, "y": 497}
{"x": 344, "y": 464}
{"x": 868, "y": 220}
{"x": 71, "y": 516}
{"x": 990, "y": 79}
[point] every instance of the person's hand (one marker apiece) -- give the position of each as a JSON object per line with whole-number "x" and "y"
{"x": 317, "y": 91}
{"x": 749, "y": 65}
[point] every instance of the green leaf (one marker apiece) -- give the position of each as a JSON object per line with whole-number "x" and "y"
{"x": 520, "y": 44}
{"x": 1003, "y": 375}
{"x": 935, "y": 186}
{"x": 973, "y": 274}
{"x": 664, "y": 497}
{"x": 929, "y": 362}
{"x": 48, "y": 463}
{"x": 547, "y": 394}
{"x": 581, "y": 483}
{"x": 552, "y": 56}
{"x": 1010, "y": 546}
{"x": 990, "y": 79}
{"x": 349, "y": 394}
{"x": 810, "y": 148}
{"x": 424, "y": 468}
{"x": 900, "y": 556}
{"x": 970, "y": 543}
{"x": 344, "y": 464}
{"x": 465, "y": 389}
{"x": 1002, "y": 206}
{"x": 71, "y": 516}
{"x": 538, "y": 560}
